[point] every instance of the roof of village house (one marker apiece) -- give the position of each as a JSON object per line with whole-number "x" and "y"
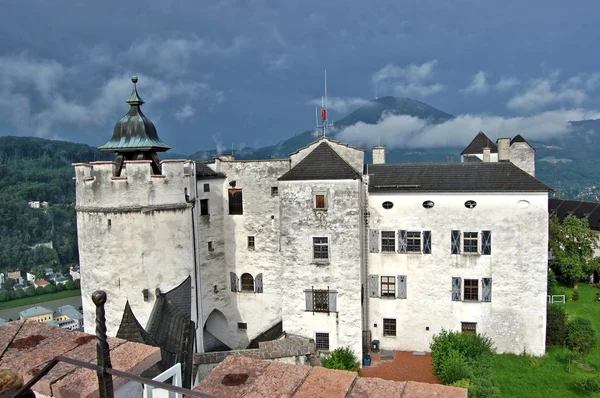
{"x": 205, "y": 172}
{"x": 27, "y": 346}
{"x": 451, "y": 177}
{"x": 69, "y": 311}
{"x": 323, "y": 163}
{"x": 239, "y": 376}
{"x": 41, "y": 282}
{"x": 35, "y": 311}
{"x": 479, "y": 142}
{"x": 578, "y": 208}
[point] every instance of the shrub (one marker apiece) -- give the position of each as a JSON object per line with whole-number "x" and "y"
{"x": 483, "y": 387}
{"x": 454, "y": 367}
{"x": 556, "y": 325}
{"x": 475, "y": 348}
{"x": 464, "y": 383}
{"x": 342, "y": 358}
{"x": 575, "y": 295}
{"x": 589, "y": 385}
{"x": 581, "y": 338}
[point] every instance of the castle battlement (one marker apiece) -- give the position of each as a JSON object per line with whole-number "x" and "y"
{"x": 137, "y": 188}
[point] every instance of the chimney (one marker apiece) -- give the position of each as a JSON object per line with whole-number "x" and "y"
{"x": 486, "y": 154}
{"x": 503, "y": 149}
{"x": 378, "y": 155}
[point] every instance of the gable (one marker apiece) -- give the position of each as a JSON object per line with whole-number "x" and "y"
{"x": 323, "y": 163}
{"x": 480, "y": 142}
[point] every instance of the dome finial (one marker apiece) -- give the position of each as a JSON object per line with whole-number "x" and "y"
{"x": 134, "y": 98}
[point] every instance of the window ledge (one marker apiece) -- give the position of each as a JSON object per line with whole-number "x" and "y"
{"x": 471, "y": 301}
{"x": 320, "y": 262}
{"x": 413, "y": 253}
{"x": 316, "y": 209}
{"x": 321, "y": 312}
{"x": 388, "y": 252}
{"x": 387, "y": 297}
{"x": 471, "y": 254}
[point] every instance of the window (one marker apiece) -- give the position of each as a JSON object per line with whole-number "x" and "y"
{"x": 235, "y": 201}
{"x": 206, "y": 187}
{"x": 242, "y": 326}
{"x": 388, "y": 286}
{"x": 204, "y": 207}
{"x": 388, "y": 241}
{"x": 413, "y": 242}
{"x": 428, "y": 204}
{"x": 322, "y": 341}
{"x": 471, "y": 290}
{"x": 320, "y": 202}
{"x": 389, "y": 327}
{"x": 469, "y": 204}
{"x": 320, "y": 248}
{"x": 468, "y": 327}
{"x": 471, "y": 242}
{"x": 251, "y": 242}
{"x": 247, "y": 283}
{"x": 274, "y": 191}
{"x": 211, "y": 248}
{"x": 387, "y": 205}
{"x": 321, "y": 300}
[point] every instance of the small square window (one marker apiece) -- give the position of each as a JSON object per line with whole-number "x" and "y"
{"x": 471, "y": 242}
{"x": 242, "y": 326}
{"x": 211, "y": 247}
{"x": 469, "y": 327}
{"x": 388, "y": 286}
{"x": 413, "y": 242}
{"x": 322, "y": 341}
{"x": 251, "y": 242}
{"x": 274, "y": 191}
{"x": 388, "y": 241}
{"x": 206, "y": 187}
{"x": 321, "y": 248}
{"x": 389, "y": 327}
{"x": 320, "y": 202}
{"x": 204, "y": 207}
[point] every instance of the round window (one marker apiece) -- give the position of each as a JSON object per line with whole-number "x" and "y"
{"x": 523, "y": 204}
{"x": 387, "y": 205}
{"x": 428, "y": 204}
{"x": 469, "y": 204}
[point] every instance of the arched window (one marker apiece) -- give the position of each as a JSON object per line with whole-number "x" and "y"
{"x": 247, "y": 283}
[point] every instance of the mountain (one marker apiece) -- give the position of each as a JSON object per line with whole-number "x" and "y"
{"x": 369, "y": 113}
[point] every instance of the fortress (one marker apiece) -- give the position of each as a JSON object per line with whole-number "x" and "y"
{"x": 319, "y": 244}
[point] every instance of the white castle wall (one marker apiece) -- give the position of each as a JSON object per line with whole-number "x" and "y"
{"x": 134, "y": 233}
{"x": 341, "y": 223}
{"x": 229, "y": 234}
{"x": 523, "y": 156}
{"x": 516, "y": 317}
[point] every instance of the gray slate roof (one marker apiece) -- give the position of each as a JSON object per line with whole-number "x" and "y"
{"x": 35, "y": 311}
{"x": 452, "y": 177}
{"x": 323, "y": 163}
{"x": 578, "y": 208}
{"x": 479, "y": 142}
{"x": 204, "y": 172}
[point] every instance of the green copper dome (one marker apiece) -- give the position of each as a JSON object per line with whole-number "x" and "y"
{"x": 135, "y": 132}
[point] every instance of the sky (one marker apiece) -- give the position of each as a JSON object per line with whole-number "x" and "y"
{"x": 249, "y": 73}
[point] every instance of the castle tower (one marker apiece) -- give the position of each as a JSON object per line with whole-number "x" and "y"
{"x": 136, "y": 223}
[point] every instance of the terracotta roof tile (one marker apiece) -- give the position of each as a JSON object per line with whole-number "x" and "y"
{"x": 375, "y": 387}
{"x": 279, "y": 380}
{"x": 232, "y": 365}
{"x": 328, "y": 383}
{"x": 415, "y": 389}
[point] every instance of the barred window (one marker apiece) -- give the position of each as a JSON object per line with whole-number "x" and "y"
{"x": 322, "y": 341}
{"x": 471, "y": 289}
{"x": 320, "y": 300}
{"x": 388, "y": 241}
{"x": 320, "y": 248}
{"x": 469, "y": 327}
{"x": 247, "y": 283}
{"x": 471, "y": 242}
{"x": 413, "y": 242}
{"x": 251, "y": 242}
{"x": 388, "y": 286}
{"x": 389, "y": 327}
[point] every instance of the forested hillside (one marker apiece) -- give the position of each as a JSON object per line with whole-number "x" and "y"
{"x": 33, "y": 169}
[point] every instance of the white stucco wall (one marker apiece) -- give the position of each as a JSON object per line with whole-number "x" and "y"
{"x": 134, "y": 233}
{"x": 523, "y": 156}
{"x": 229, "y": 234}
{"x": 341, "y": 223}
{"x": 516, "y": 317}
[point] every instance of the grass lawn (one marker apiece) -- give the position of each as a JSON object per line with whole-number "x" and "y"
{"x": 39, "y": 299}
{"x": 522, "y": 376}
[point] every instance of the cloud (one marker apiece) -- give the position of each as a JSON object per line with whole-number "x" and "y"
{"x": 184, "y": 113}
{"x": 277, "y": 63}
{"x": 20, "y": 71}
{"x": 412, "y": 80}
{"x": 506, "y": 83}
{"x": 547, "y": 91}
{"x": 172, "y": 55}
{"x": 340, "y": 104}
{"x": 479, "y": 84}
{"x": 402, "y": 131}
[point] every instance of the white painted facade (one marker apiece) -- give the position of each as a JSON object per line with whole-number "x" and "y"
{"x": 514, "y": 319}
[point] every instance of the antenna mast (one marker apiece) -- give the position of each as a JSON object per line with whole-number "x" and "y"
{"x": 324, "y": 124}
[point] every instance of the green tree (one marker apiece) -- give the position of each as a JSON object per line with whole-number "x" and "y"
{"x": 39, "y": 290}
{"x": 38, "y": 272}
{"x": 582, "y": 336}
{"x": 19, "y": 293}
{"x": 60, "y": 287}
{"x": 50, "y": 289}
{"x": 572, "y": 243}
{"x": 69, "y": 285}
{"x": 4, "y": 296}
{"x": 30, "y": 291}
{"x": 9, "y": 284}
{"x": 77, "y": 283}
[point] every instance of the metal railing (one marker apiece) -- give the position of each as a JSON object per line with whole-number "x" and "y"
{"x": 104, "y": 367}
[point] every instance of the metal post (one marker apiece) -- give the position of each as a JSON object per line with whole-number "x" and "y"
{"x": 105, "y": 382}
